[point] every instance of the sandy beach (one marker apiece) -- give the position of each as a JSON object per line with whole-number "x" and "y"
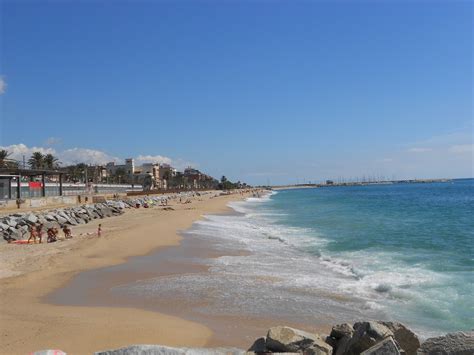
{"x": 30, "y": 272}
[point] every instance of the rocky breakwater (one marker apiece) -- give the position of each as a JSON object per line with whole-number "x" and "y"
{"x": 364, "y": 338}
{"x": 16, "y": 226}
{"x": 361, "y": 338}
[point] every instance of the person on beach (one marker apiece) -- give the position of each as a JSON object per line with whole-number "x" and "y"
{"x": 52, "y": 235}
{"x": 32, "y": 234}
{"x": 99, "y": 230}
{"x": 39, "y": 232}
{"x": 67, "y": 232}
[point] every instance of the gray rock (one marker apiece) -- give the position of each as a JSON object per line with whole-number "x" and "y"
{"x": 286, "y": 339}
{"x": 4, "y": 226}
{"x": 341, "y": 330}
{"x": 407, "y": 340}
{"x": 460, "y": 343}
{"x": 50, "y": 218}
{"x": 385, "y": 347}
{"x": 259, "y": 345}
{"x": 165, "y": 350}
{"x": 319, "y": 347}
{"x": 12, "y": 222}
{"x": 366, "y": 335}
{"x": 61, "y": 220}
{"x": 14, "y": 233}
{"x": 343, "y": 345}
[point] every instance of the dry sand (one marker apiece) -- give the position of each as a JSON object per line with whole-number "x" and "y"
{"x": 30, "y": 272}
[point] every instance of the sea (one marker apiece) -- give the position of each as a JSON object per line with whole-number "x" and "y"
{"x": 401, "y": 252}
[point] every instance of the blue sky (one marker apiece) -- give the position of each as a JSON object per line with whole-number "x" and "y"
{"x": 279, "y": 91}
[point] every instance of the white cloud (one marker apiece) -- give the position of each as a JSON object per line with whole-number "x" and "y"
{"x": 419, "y": 150}
{"x": 89, "y": 156}
{"x": 141, "y": 159}
{"x": 85, "y": 155}
{"x": 462, "y": 148}
{"x": 3, "y": 85}
{"x": 18, "y": 151}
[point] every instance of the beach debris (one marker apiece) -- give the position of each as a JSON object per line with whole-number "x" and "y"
{"x": 459, "y": 343}
{"x": 49, "y": 352}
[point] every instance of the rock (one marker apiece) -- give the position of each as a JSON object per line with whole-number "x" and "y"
{"x": 319, "y": 347}
{"x": 341, "y": 330}
{"x": 12, "y": 222}
{"x": 50, "y": 218}
{"x": 460, "y": 343}
{"x": 4, "y": 226}
{"x": 165, "y": 350}
{"x": 407, "y": 340}
{"x": 385, "y": 347}
{"x": 331, "y": 341}
{"x": 342, "y": 345}
{"x": 259, "y": 345}
{"x": 366, "y": 335}
{"x": 286, "y": 339}
{"x": 61, "y": 220}
{"x": 14, "y": 233}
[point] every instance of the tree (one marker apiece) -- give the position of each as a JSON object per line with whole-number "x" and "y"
{"x": 50, "y": 161}
{"x": 119, "y": 174}
{"x": 36, "y": 161}
{"x": 5, "y": 162}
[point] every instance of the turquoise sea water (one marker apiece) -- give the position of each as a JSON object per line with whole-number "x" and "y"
{"x": 399, "y": 252}
{"x": 411, "y": 243}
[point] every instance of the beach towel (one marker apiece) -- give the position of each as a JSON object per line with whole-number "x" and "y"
{"x": 49, "y": 352}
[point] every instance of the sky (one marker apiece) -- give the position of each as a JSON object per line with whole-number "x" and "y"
{"x": 277, "y": 92}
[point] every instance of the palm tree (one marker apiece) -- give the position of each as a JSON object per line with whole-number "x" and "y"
{"x": 50, "y": 161}
{"x": 37, "y": 160}
{"x": 5, "y": 162}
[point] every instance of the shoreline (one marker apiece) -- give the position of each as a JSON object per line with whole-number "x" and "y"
{"x": 29, "y": 324}
{"x": 189, "y": 259}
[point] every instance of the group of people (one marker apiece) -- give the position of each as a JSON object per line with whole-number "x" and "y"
{"x": 52, "y": 233}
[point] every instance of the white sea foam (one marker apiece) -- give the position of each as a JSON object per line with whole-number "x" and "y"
{"x": 291, "y": 269}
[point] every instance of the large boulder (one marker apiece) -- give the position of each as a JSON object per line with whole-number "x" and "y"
{"x": 286, "y": 339}
{"x": 31, "y": 219}
{"x": 342, "y": 345}
{"x": 319, "y": 347}
{"x": 366, "y": 335}
{"x": 259, "y": 346}
{"x": 460, "y": 343}
{"x": 11, "y": 221}
{"x": 385, "y": 347}
{"x": 341, "y": 330}
{"x": 407, "y": 340}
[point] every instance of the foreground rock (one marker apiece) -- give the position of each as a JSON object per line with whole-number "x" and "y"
{"x": 362, "y": 338}
{"x": 385, "y": 347}
{"x": 460, "y": 343}
{"x": 165, "y": 350}
{"x": 286, "y": 339}
{"x": 407, "y": 340}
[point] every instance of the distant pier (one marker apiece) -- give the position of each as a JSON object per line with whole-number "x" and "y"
{"x": 330, "y": 183}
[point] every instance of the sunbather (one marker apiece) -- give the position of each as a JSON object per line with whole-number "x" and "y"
{"x": 33, "y": 234}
